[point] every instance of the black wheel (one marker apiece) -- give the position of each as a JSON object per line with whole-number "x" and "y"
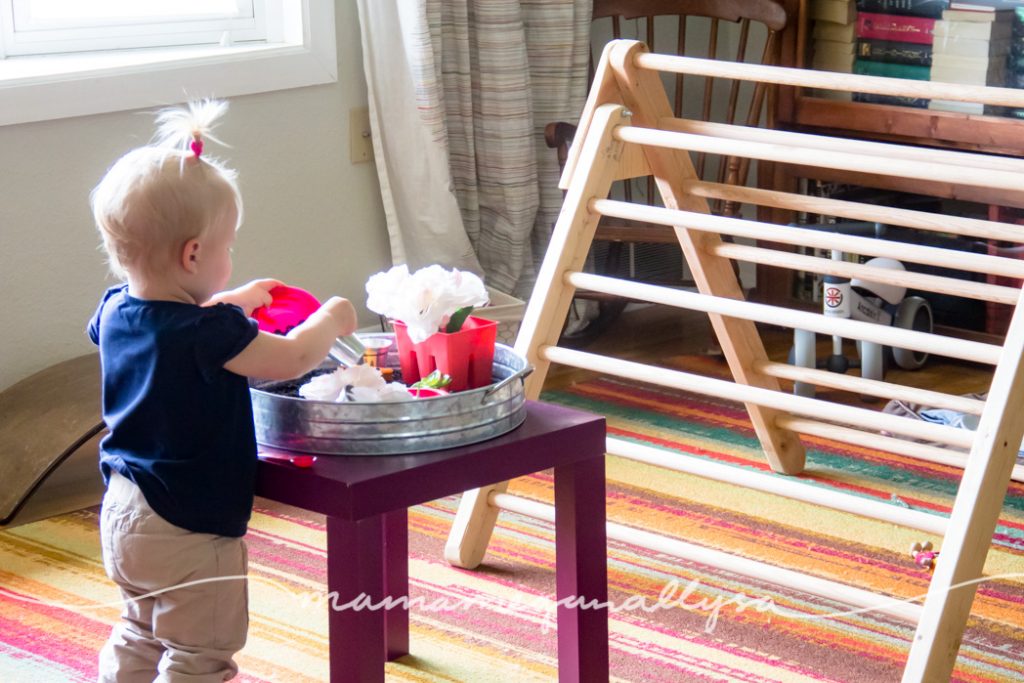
{"x": 581, "y": 334}
{"x": 914, "y": 313}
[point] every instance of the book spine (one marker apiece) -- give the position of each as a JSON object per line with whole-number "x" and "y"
{"x": 898, "y": 53}
{"x": 871, "y": 98}
{"x": 912, "y": 8}
{"x": 895, "y": 28}
{"x": 912, "y": 71}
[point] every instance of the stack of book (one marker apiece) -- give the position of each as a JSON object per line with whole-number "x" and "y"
{"x": 895, "y": 39}
{"x": 972, "y": 46}
{"x": 833, "y": 39}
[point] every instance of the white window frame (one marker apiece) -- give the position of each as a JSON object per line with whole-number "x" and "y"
{"x": 299, "y": 51}
{"x": 23, "y": 32}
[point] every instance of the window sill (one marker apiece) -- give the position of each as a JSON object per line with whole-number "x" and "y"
{"x": 61, "y": 86}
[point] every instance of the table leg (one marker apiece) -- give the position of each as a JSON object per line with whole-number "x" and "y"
{"x": 355, "y": 568}
{"x": 396, "y": 582}
{"x": 581, "y": 569}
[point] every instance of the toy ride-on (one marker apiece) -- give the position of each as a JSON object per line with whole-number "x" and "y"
{"x": 875, "y": 302}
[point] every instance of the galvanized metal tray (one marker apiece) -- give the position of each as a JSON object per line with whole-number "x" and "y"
{"x": 393, "y": 428}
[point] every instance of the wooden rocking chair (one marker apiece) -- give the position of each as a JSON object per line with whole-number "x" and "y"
{"x": 712, "y": 26}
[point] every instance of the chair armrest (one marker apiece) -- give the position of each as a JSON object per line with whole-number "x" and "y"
{"x": 558, "y": 135}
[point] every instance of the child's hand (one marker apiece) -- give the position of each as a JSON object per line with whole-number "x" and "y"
{"x": 249, "y": 296}
{"x": 343, "y": 313}
{"x": 272, "y": 356}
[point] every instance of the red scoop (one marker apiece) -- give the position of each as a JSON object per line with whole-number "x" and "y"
{"x": 290, "y": 308}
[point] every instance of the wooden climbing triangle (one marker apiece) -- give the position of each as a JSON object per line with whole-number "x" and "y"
{"x": 628, "y": 130}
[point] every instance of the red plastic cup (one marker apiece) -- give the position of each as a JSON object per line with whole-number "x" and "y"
{"x": 466, "y": 356}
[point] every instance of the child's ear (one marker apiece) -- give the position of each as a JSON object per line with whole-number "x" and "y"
{"x": 190, "y": 255}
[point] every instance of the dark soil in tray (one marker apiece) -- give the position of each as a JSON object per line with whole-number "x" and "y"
{"x": 288, "y": 387}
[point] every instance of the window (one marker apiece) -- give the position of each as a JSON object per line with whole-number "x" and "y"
{"x": 32, "y": 27}
{"x": 62, "y": 58}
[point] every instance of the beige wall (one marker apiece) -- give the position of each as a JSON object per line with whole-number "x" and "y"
{"x": 312, "y": 218}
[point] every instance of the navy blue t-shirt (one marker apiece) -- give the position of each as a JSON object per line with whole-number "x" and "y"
{"x": 180, "y": 424}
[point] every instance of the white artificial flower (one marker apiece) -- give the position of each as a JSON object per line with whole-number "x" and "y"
{"x": 365, "y": 376}
{"x": 359, "y": 383}
{"x": 322, "y": 387}
{"x": 424, "y": 300}
{"x": 395, "y": 391}
{"x": 384, "y": 288}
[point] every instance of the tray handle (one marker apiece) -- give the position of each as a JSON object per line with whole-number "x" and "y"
{"x": 521, "y": 374}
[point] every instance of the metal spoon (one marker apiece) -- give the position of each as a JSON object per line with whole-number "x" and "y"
{"x": 347, "y": 350}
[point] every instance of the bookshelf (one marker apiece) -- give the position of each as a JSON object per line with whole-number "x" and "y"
{"x": 802, "y": 110}
{"x": 797, "y": 109}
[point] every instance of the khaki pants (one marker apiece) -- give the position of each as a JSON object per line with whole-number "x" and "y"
{"x": 178, "y": 635}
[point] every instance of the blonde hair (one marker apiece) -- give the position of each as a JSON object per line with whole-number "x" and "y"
{"x": 156, "y": 198}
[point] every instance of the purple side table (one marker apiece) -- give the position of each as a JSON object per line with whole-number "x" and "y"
{"x": 366, "y": 501}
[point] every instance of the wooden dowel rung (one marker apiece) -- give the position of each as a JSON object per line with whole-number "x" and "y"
{"x": 787, "y": 487}
{"x": 807, "y": 78}
{"x": 870, "y": 387}
{"x": 773, "y": 574}
{"x": 902, "y": 278}
{"x": 742, "y": 393}
{"x": 919, "y": 451}
{"x": 940, "y": 345}
{"x": 806, "y": 237}
{"x": 957, "y": 225}
{"x": 832, "y": 144}
{"x": 847, "y": 161}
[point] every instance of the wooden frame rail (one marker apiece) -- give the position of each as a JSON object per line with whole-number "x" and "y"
{"x": 811, "y": 156}
{"x": 963, "y": 349}
{"x": 878, "y": 85}
{"x": 867, "y": 246}
{"x": 827, "y": 144}
{"x": 870, "y": 387}
{"x": 956, "y": 225}
{"x": 786, "y": 578}
{"x": 627, "y": 130}
{"x": 733, "y": 391}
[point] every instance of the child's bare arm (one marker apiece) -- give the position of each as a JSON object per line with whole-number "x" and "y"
{"x": 270, "y": 356}
{"x": 248, "y": 297}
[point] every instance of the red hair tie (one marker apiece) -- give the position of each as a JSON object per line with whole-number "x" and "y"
{"x": 197, "y": 147}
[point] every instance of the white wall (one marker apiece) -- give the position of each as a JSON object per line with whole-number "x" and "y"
{"x": 312, "y": 218}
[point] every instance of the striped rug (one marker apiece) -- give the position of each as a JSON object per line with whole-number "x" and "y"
{"x": 56, "y": 605}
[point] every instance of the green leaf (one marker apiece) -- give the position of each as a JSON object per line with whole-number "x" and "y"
{"x": 434, "y": 380}
{"x": 458, "y": 317}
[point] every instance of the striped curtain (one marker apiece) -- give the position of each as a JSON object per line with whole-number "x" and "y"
{"x": 460, "y": 92}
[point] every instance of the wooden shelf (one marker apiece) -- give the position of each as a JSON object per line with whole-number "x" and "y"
{"x": 801, "y": 110}
{"x": 797, "y": 109}
{"x": 992, "y": 134}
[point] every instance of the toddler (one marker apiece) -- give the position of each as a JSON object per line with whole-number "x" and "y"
{"x": 180, "y": 458}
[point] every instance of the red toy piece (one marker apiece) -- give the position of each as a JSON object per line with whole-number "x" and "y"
{"x": 426, "y": 392}
{"x": 297, "y": 460}
{"x": 290, "y": 308}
